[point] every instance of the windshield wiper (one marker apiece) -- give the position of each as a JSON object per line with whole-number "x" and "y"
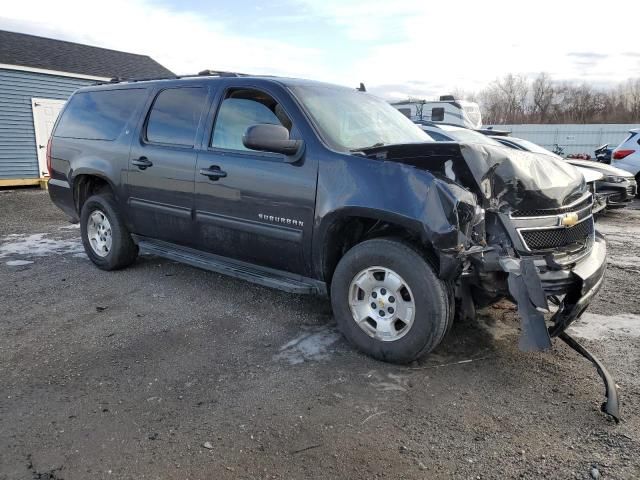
{"x": 375, "y": 145}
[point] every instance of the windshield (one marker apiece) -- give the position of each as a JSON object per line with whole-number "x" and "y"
{"x": 531, "y": 147}
{"x": 353, "y": 120}
{"x": 469, "y": 136}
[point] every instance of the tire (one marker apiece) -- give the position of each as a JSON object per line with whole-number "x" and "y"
{"x": 432, "y": 302}
{"x": 121, "y": 251}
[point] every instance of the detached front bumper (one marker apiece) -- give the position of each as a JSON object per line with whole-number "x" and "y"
{"x": 532, "y": 284}
{"x": 587, "y": 277}
{"x": 532, "y": 280}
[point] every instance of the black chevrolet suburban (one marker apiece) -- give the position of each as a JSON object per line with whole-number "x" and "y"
{"x": 314, "y": 188}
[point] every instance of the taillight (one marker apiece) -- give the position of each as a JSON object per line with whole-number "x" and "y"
{"x": 49, "y": 170}
{"x": 620, "y": 154}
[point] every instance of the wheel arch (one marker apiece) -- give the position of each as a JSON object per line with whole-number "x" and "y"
{"x": 89, "y": 182}
{"x": 342, "y": 229}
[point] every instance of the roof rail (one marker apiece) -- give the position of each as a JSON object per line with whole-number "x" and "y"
{"x": 203, "y": 73}
{"x": 218, "y": 73}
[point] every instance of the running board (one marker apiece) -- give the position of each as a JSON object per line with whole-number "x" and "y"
{"x": 267, "y": 277}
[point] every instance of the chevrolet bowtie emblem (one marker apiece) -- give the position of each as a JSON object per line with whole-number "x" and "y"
{"x": 569, "y": 220}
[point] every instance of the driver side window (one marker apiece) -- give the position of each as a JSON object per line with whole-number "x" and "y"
{"x": 240, "y": 109}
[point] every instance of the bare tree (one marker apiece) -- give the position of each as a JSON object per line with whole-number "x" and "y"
{"x": 514, "y": 91}
{"x": 515, "y": 99}
{"x": 543, "y": 94}
{"x": 504, "y": 100}
{"x": 631, "y": 98}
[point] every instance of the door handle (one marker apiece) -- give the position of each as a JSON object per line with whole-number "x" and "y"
{"x": 142, "y": 163}
{"x": 214, "y": 172}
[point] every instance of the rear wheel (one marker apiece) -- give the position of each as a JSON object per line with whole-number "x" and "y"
{"x": 388, "y": 301}
{"x": 106, "y": 240}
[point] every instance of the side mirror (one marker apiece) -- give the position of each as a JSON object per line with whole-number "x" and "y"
{"x": 266, "y": 137}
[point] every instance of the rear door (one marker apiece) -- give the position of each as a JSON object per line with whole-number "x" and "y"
{"x": 162, "y": 164}
{"x": 254, "y": 206}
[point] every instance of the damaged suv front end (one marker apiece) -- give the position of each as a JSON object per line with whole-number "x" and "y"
{"x": 530, "y": 237}
{"x": 540, "y": 232}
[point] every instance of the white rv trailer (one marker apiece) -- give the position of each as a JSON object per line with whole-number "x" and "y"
{"x": 447, "y": 109}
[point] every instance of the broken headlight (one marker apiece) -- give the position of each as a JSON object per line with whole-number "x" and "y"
{"x": 477, "y": 229}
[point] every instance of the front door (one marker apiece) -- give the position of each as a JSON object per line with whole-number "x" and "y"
{"x": 162, "y": 165}
{"x": 45, "y": 112}
{"x": 253, "y": 206}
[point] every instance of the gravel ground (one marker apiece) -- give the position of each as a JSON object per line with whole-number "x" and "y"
{"x": 165, "y": 371}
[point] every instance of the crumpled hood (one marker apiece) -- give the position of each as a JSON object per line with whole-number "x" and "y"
{"x": 501, "y": 177}
{"x": 589, "y": 174}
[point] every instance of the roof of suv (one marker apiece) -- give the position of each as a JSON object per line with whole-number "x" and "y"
{"x": 213, "y": 77}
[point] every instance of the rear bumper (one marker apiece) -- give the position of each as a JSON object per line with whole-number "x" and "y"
{"x": 61, "y": 195}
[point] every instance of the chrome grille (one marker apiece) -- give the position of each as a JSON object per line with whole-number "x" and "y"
{"x": 543, "y": 230}
{"x": 558, "y": 237}
{"x": 553, "y": 211}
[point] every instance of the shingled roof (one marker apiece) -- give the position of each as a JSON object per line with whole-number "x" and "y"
{"x": 49, "y": 54}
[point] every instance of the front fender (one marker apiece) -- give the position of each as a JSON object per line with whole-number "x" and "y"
{"x": 432, "y": 207}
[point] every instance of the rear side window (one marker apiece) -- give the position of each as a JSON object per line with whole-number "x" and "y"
{"x": 99, "y": 115}
{"x": 175, "y": 116}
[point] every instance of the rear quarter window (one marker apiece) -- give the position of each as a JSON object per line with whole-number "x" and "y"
{"x": 99, "y": 115}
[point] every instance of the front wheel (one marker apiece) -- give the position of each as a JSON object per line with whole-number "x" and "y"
{"x": 105, "y": 237}
{"x": 388, "y": 301}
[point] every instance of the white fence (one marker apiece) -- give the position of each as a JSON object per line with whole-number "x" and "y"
{"x": 572, "y": 138}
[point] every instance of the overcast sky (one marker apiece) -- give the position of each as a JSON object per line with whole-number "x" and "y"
{"x": 412, "y": 47}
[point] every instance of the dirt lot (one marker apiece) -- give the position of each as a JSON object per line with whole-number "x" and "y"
{"x": 165, "y": 371}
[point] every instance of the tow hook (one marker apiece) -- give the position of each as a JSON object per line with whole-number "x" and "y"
{"x": 611, "y": 406}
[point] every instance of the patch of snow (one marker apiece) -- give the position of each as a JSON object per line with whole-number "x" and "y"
{"x": 80, "y": 255}
{"x": 312, "y": 345}
{"x": 592, "y": 326}
{"x": 73, "y": 226}
{"x": 18, "y": 263}
{"x": 37, "y": 245}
